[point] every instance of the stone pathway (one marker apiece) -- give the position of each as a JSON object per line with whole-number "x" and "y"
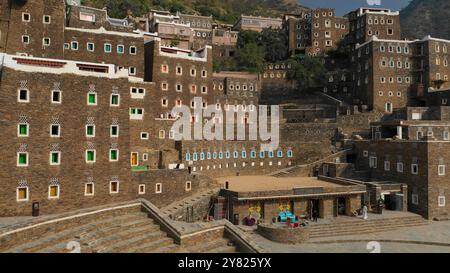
{"x": 430, "y": 238}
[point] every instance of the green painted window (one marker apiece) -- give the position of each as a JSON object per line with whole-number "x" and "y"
{"x": 90, "y": 156}
{"x": 23, "y": 158}
{"x": 55, "y": 158}
{"x": 113, "y": 154}
{"x": 92, "y": 98}
{"x": 90, "y": 130}
{"x": 114, "y": 99}
{"x": 23, "y": 129}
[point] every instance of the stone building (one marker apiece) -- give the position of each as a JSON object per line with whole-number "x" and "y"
{"x": 257, "y": 23}
{"x": 368, "y": 22}
{"x": 315, "y": 32}
{"x": 202, "y": 27}
{"x": 170, "y": 29}
{"x": 58, "y": 159}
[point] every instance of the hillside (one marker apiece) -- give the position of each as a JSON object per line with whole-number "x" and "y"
{"x": 226, "y": 11}
{"x": 423, "y": 17}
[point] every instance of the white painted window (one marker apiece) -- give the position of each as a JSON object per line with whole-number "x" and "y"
{"x": 55, "y": 130}
{"x": 414, "y": 168}
{"x": 23, "y": 95}
{"x": 144, "y": 135}
{"x": 55, "y": 158}
{"x": 158, "y": 188}
{"x": 22, "y": 194}
{"x": 114, "y": 187}
{"x": 400, "y": 167}
{"x": 441, "y": 170}
{"x": 142, "y": 189}
{"x": 26, "y": 17}
{"x": 373, "y": 162}
{"x": 89, "y": 189}
{"x": 137, "y": 93}
{"x": 188, "y": 186}
{"x": 53, "y": 192}
{"x": 56, "y": 96}
{"x": 136, "y": 113}
{"x": 441, "y": 201}
{"x": 114, "y": 131}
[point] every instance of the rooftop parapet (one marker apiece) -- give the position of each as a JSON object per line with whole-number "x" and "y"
{"x": 57, "y": 66}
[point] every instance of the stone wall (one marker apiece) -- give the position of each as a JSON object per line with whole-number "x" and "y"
{"x": 284, "y": 234}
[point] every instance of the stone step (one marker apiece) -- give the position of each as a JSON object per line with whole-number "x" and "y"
{"x": 70, "y": 233}
{"x": 223, "y": 249}
{"x": 355, "y": 226}
{"x": 202, "y": 247}
{"x": 148, "y": 245}
{"x": 367, "y": 223}
{"x": 89, "y": 238}
{"x": 172, "y": 248}
{"x": 134, "y": 242}
{"x": 121, "y": 239}
{"x": 351, "y": 231}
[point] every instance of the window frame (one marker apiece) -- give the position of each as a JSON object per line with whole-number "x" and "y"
{"x": 94, "y": 156}
{"x": 26, "y": 157}
{"x": 51, "y": 158}
{"x": 57, "y": 192}
{"x": 86, "y": 187}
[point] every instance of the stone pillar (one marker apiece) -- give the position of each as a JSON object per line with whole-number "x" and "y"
{"x": 399, "y": 132}
{"x": 326, "y": 208}
{"x": 405, "y": 197}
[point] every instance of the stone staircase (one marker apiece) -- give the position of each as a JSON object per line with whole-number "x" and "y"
{"x": 200, "y": 201}
{"x": 125, "y": 232}
{"x": 359, "y": 226}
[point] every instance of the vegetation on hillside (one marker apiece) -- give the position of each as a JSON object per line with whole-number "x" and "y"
{"x": 226, "y": 11}
{"x": 254, "y": 49}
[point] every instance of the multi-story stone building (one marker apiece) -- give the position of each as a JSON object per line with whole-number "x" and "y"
{"x": 411, "y": 150}
{"x": 257, "y": 23}
{"x": 316, "y": 31}
{"x": 368, "y": 22}
{"x": 170, "y": 29}
{"x": 201, "y": 26}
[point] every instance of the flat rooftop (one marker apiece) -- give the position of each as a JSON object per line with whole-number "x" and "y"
{"x": 271, "y": 183}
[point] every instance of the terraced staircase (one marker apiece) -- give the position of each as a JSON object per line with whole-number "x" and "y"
{"x": 359, "y": 226}
{"x": 125, "y": 232}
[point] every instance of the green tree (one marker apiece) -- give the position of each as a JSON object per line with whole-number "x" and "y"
{"x": 250, "y": 57}
{"x": 275, "y": 44}
{"x": 308, "y": 72}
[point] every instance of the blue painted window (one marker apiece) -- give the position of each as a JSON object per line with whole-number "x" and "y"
{"x": 208, "y": 155}
{"x": 262, "y": 154}
{"x": 194, "y": 156}
{"x": 227, "y": 154}
{"x": 188, "y": 157}
{"x": 289, "y": 153}
{"x": 280, "y": 153}
{"x": 253, "y": 154}
{"x": 220, "y": 155}
{"x": 244, "y": 154}
{"x": 270, "y": 154}
{"x": 202, "y": 156}
{"x": 214, "y": 155}
{"x": 235, "y": 154}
